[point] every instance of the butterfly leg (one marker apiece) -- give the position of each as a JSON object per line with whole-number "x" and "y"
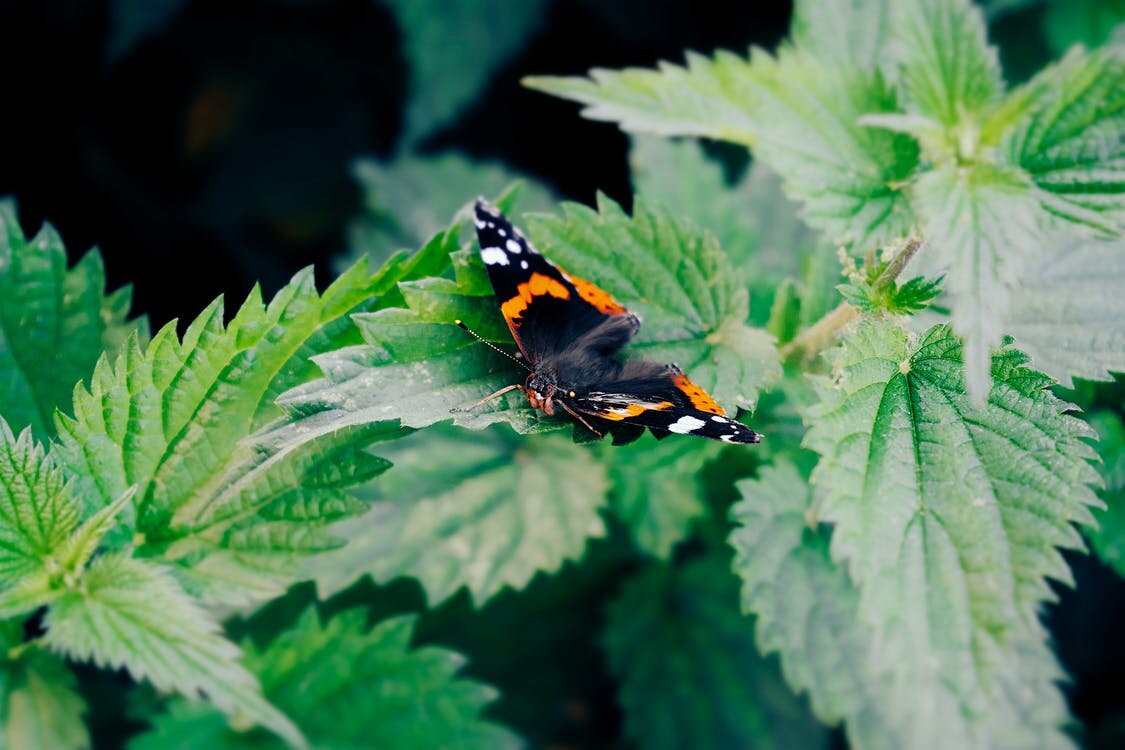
{"x": 486, "y": 399}
{"x": 580, "y": 418}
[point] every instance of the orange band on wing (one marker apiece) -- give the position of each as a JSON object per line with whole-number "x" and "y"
{"x": 699, "y": 398}
{"x": 632, "y": 410}
{"x": 537, "y": 286}
{"x": 599, "y": 298}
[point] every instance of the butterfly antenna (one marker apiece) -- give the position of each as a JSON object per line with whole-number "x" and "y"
{"x": 492, "y": 346}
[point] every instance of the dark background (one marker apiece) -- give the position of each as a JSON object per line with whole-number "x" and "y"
{"x": 212, "y": 150}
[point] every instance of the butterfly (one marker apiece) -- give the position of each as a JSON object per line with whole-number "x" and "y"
{"x": 570, "y": 334}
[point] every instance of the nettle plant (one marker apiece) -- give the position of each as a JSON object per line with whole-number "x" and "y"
{"x": 892, "y": 537}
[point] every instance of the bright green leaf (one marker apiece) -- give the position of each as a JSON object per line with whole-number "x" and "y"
{"x": 807, "y": 612}
{"x": 948, "y": 512}
{"x": 453, "y": 48}
{"x": 482, "y": 510}
{"x": 849, "y": 34}
{"x": 131, "y": 614}
{"x": 1109, "y": 538}
{"x": 689, "y": 671}
{"x": 54, "y": 323}
{"x": 39, "y": 704}
{"x": 1069, "y": 135}
{"x": 350, "y": 686}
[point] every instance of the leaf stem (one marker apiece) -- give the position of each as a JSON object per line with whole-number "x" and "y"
{"x": 820, "y": 335}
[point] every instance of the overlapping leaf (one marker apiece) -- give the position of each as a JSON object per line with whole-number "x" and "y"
{"x": 132, "y": 614}
{"x": 808, "y": 612}
{"x": 949, "y": 513}
{"x": 690, "y": 674}
{"x": 39, "y": 705}
{"x": 416, "y": 365}
{"x": 172, "y": 419}
{"x": 480, "y": 510}
{"x": 54, "y": 323}
{"x": 351, "y": 686}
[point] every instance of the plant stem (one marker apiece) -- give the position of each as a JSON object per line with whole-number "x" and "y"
{"x": 820, "y": 335}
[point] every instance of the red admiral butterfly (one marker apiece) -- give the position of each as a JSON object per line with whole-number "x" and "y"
{"x": 569, "y": 332}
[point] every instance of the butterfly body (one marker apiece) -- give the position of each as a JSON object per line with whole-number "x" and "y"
{"x": 571, "y": 333}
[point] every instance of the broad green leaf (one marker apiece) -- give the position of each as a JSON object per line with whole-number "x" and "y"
{"x": 453, "y": 48}
{"x": 173, "y": 419}
{"x": 1069, "y": 136}
{"x": 39, "y": 704}
{"x": 54, "y": 323}
{"x": 483, "y": 510}
{"x": 981, "y": 225}
{"x": 132, "y": 614}
{"x": 411, "y": 199}
{"x": 799, "y": 115}
{"x": 1087, "y": 22}
{"x": 756, "y": 225}
{"x": 689, "y": 671}
{"x": 1067, "y": 308}
{"x": 658, "y": 489}
{"x": 1109, "y": 538}
{"x": 807, "y": 611}
{"x": 846, "y": 33}
{"x": 37, "y": 513}
{"x": 948, "y": 512}
{"x": 350, "y": 686}
{"x": 416, "y": 365}
{"x": 949, "y": 72}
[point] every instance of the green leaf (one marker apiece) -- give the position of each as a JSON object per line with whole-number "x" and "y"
{"x": 483, "y": 510}
{"x": 850, "y": 34}
{"x": 416, "y": 365}
{"x": 131, "y": 614}
{"x": 807, "y": 612}
{"x": 350, "y": 686}
{"x": 174, "y": 419}
{"x": 1069, "y": 136}
{"x": 411, "y": 199}
{"x": 800, "y": 116}
{"x": 453, "y": 49}
{"x": 949, "y": 72}
{"x": 1109, "y": 538}
{"x": 54, "y": 323}
{"x": 756, "y": 225}
{"x": 982, "y": 224}
{"x": 1090, "y": 23}
{"x": 1067, "y": 309}
{"x": 689, "y": 672}
{"x": 39, "y": 704}
{"x": 948, "y": 512}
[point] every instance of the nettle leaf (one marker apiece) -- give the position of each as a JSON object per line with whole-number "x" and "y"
{"x": 453, "y": 49}
{"x": 844, "y": 33}
{"x": 949, "y": 72}
{"x": 39, "y": 703}
{"x": 756, "y": 225}
{"x": 1070, "y": 137}
{"x": 351, "y": 686}
{"x": 808, "y": 612}
{"x": 411, "y": 199}
{"x": 948, "y": 512}
{"x": 416, "y": 364}
{"x": 982, "y": 224}
{"x": 54, "y": 322}
{"x": 1109, "y": 538}
{"x": 689, "y": 671}
{"x": 132, "y": 614}
{"x": 658, "y": 489}
{"x": 1067, "y": 308}
{"x": 799, "y": 115}
{"x": 173, "y": 419}
{"x": 483, "y": 510}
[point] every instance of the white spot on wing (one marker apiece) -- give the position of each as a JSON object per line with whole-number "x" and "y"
{"x": 717, "y": 418}
{"x": 502, "y": 232}
{"x": 523, "y": 264}
{"x": 494, "y": 256}
{"x": 514, "y": 247}
{"x": 479, "y": 222}
{"x": 728, "y": 438}
{"x": 684, "y": 425}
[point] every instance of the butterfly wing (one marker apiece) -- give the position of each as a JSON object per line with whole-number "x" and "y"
{"x": 664, "y": 400}
{"x": 546, "y": 309}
